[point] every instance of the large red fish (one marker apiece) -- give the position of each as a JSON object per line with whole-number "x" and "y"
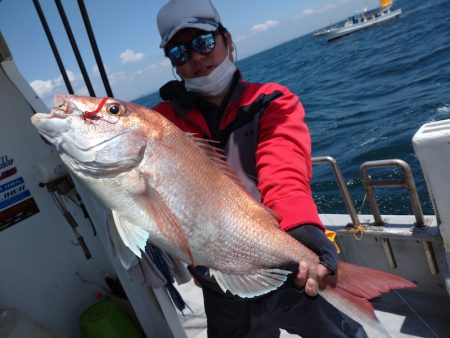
{"x": 173, "y": 190}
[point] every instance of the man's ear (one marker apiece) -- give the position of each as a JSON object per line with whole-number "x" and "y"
{"x": 230, "y": 43}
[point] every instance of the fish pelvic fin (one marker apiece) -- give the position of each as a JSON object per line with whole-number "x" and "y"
{"x": 166, "y": 221}
{"x": 251, "y": 285}
{"x": 134, "y": 237}
{"x": 354, "y": 287}
{"x": 126, "y": 256}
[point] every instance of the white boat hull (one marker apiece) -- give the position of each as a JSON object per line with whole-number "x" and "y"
{"x": 334, "y": 33}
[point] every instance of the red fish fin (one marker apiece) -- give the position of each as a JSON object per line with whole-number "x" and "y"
{"x": 368, "y": 283}
{"x": 166, "y": 221}
{"x": 355, "y": 286}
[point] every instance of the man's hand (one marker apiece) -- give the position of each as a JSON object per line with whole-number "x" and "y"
{"x": 315, "y": 239}
{"x": 311, "y": 285}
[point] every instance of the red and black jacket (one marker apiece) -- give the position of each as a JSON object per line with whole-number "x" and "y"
{"x": 261, "y": 128}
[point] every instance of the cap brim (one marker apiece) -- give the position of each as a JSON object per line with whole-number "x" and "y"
{"x": 207, "y": 25}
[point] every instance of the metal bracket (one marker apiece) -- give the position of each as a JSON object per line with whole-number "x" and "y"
{"x": 407, "y": 181}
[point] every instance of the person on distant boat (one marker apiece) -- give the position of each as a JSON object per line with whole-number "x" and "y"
{"x": 261, "y": 129}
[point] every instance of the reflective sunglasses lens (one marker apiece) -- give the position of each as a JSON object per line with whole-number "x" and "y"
{"x": 178, "y": 55}
{"x": 204, "y": 44}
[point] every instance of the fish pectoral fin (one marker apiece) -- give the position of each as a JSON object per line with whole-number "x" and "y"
{"x": 134, "y": 237}
{"x": 166, "y": 221}
{"x": 251, "y": 284}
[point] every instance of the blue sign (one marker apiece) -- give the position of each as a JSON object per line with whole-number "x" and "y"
{"x": 11, "y": 184}
{"x": 14, "y": 199}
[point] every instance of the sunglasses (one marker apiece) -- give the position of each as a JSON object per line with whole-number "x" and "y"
{"x": 203, "y": 44}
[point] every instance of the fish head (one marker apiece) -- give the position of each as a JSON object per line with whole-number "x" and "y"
{"x": 97, "y": 135}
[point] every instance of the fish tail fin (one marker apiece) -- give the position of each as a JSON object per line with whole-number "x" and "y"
{"x": 354, "y": 287}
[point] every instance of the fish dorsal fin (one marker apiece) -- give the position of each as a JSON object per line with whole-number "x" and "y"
{"x": 134, "y": 237}
{"x": 251, "y": 285}
{"x": 217, "y": 157}
{"x": 166, "y": 221}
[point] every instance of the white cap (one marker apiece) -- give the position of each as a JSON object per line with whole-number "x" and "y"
{"x": 179, "y": 14}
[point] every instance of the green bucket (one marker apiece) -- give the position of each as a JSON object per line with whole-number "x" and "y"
{"x": 106, "y": 319}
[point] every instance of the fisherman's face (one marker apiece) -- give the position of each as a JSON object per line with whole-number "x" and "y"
{"x": 201, "y": 64}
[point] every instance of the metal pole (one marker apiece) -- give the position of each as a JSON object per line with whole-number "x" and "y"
{"x": 74, "y": 47}
{"x": 94, "y": 46}
{"x": 370, "y": 195}
{"x": 407, "y": 181}
{"x": 53, "y": 46}
{"x": 341, "y": 185}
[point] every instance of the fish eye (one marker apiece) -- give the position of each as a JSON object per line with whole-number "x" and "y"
{"x": 115, "y": 108}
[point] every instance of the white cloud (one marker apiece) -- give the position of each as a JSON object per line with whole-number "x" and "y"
{"x": 257, "y": 29}
{"x": 72, "y": 76}
{"x": 46, "y": 89}
{"x": 329, "y": 7}
{"x": 117, "y": 77}
{"x": 308, "y": 11}
{"x": 96, "y": 71}
{"x": 81, "y": 90}
{"x": 42, "y": 88}
{"x": 131, "y": 56}
{"x": 165, "y": 63}
{"x": 262, "y": 27}
{"x": 113, "y": 78}
{"x": 311, "y": 11}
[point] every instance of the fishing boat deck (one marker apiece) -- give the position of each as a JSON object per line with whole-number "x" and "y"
{"x": 422, "y": 312}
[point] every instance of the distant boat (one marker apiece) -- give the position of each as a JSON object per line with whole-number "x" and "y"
{"x": 361, "y": 21}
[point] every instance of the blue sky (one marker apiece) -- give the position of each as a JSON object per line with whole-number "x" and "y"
{"x": 128, "y": 38}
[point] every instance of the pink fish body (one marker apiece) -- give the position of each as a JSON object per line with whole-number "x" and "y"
{"x": 175, "y": 191}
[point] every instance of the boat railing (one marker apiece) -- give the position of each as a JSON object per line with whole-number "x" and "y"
{"x": 341, "y": 185}
{"x": 370, "y": 184}
{"x": 406, "y": 181}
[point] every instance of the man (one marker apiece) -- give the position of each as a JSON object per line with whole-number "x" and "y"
{"x": 261, "y": 129}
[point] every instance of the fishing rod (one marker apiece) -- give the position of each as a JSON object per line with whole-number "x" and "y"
{"x": 53, "y": 46}
{"x": 75, "y": 48}
{"x": 74, "y": 45}
{"x": 94, "y": 46}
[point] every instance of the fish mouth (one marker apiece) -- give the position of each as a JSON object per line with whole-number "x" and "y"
{"x": 52, "y": 125}
{"x": 63, "y": 107}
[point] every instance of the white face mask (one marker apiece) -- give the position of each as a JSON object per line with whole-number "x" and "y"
{"x": 215, "y": 82}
